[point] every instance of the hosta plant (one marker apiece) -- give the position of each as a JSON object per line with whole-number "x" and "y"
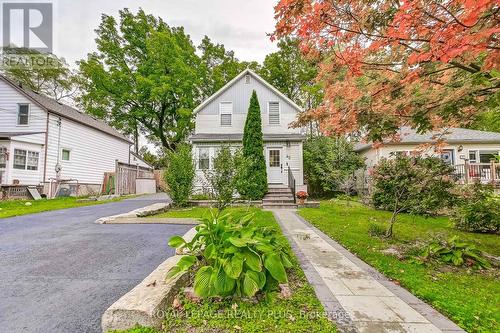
{"x": 454, "y": 252}
{"x": 234, "y": 257}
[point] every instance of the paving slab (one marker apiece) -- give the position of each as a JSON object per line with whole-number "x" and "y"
{"x": 360, "y": 298}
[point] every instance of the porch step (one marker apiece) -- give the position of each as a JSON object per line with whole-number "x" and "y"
{"x": 278, "y": 205}
{"x": 266, "y": 201}
{"x": 278, "y": 190}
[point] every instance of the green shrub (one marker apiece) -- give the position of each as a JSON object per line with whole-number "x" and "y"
{"x": 328, "y": 163}
{"x": 180, "y": 174}
{"x": 252, "y": 181}
{"x": 222, "y": 178}
{"x": 453, "y": 252}
{"x": 234, "y": 257}
{"x": 477, "y": 209}
{"x": 417, "y": 185}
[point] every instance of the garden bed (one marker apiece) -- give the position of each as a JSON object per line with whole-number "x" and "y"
{"x": 469, "y": 297}
{"x": 301, "y": 312}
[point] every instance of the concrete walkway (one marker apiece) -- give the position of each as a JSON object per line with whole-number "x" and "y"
{"x": 354, "y": 294}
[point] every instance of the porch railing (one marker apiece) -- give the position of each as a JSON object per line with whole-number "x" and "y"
{"x": 478, "y": 172}
{"x": 291, "y": 183}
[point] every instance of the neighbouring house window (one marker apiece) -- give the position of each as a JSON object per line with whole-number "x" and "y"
{"x": 472, "y": 156}
{"x": 20, "y": 159}
{"x": 3, "y": 157}
{"x": 23, "y": 114}
{"x": 485, "y": 156}
{"x": 32, "y": 162}
{"x": 274, "y": 113}
{"x": 226, "y": 113}
{"x": 247, "y": 78}
{"x": 203, "y": 158}
{"x": 65, "y": 154}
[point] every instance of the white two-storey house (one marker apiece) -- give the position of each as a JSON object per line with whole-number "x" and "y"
{"x": 42, "y": 140}
{"x": 221, "y": 119}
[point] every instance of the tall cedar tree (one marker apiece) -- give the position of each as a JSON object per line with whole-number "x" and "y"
{"x": 253, "y": 183}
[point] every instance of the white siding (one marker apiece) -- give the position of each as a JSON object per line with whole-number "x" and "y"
{"x": 373, "y": 156}
{"x": 92, "y": 152}
{"x": 292, "y": 156}
{"x": 9, "y": 100}
{"x": 25, "y": 177}
{"x": 208, "y": 119}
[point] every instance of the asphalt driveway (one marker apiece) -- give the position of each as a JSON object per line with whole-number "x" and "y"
{"x": 59, "y": 270}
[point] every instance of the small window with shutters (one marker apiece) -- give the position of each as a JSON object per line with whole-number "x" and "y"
{"x": 226, "y": 113}
{"x": 274, "y": 113}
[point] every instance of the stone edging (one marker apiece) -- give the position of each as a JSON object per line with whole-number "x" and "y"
{"x": 153, "y": 209}
{"x": 144, "y": 304}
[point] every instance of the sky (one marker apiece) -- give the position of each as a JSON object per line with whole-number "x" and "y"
{"x": 241, "y": 25}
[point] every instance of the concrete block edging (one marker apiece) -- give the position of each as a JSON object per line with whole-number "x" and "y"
{"x": 143, "y": 304}
{"x": 153, "y": 209}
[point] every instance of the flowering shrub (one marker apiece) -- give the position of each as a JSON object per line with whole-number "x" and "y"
{"x": 302, "y": 195}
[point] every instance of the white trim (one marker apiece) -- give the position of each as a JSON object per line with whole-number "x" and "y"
{"x": 17, "y": 114}
{"x": 239, "y": 76}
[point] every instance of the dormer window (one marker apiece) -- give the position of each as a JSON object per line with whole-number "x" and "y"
{"x": 23, "y": 114}
{"x": 226, "y": 113}
{"x": 247, "y": 78}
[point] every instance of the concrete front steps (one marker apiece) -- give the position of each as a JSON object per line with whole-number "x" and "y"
{"x": 279, "y": 196}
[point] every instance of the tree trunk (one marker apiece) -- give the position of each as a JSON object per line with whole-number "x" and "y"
{"x": 388, "y": 233}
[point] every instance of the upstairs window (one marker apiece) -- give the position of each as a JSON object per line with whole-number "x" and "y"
{"x": 226, "y": 113}
{"x": 23, "y": 114}
{"x": 274, "y": 113}
{"x": 247, "y": 78}
{"x": 203, "y": 158}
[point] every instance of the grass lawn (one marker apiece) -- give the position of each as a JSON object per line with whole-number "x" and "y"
{"x": 300, "y": 313}
{"x": 18, "y": 207}
{"x": 469, "y": 298}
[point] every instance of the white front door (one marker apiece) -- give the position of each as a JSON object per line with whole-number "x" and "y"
{"x": 274, "y": 165}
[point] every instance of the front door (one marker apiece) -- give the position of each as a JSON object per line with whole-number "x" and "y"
{"x": 274, "y": 165}
{"x": 447, "y": 156}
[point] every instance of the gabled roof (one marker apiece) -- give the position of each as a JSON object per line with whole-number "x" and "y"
{"x": 66, "y": 111}
{"x": 453, "y": 135}
{"x": 238, "y": 77}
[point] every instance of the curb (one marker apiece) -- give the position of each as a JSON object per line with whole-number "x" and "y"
{"x": 144, "y": 304}
{"x": 153, "y": 209}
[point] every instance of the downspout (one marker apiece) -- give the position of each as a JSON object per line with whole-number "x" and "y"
{"x": 46, "y": 148}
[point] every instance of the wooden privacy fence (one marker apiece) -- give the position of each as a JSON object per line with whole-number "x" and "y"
{"x": 126, "y": 176}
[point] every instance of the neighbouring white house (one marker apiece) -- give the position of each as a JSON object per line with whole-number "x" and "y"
{"x": 42, "y": 140}
{"x": 470, "y": 151}
{"x": 221, "y": 119}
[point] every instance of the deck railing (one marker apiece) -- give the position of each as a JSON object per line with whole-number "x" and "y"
{"x": 291, "y": 183}
{"x": 467, "y": 173}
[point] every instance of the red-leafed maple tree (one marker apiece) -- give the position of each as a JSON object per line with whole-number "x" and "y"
{"x": 429, "y": 64}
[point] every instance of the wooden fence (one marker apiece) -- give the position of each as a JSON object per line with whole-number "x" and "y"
{"x": 126, "y": 175}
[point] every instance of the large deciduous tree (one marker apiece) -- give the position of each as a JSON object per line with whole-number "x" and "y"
{"x": 143, "y": 78}
{"x": 424, "y": 63}
{"x": 43, "y": 73}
